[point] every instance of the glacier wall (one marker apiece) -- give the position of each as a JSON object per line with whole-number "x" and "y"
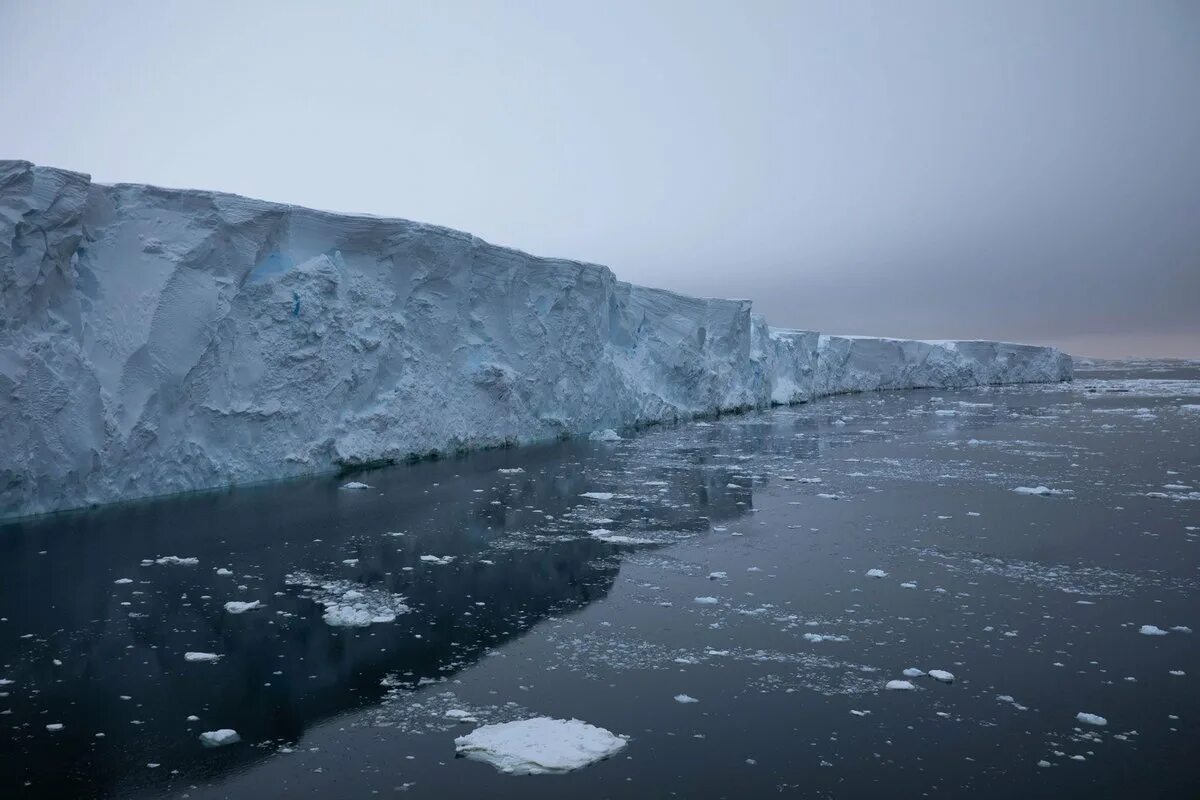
{"x": 156, "y": 340}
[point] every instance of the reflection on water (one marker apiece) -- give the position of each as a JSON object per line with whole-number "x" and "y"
{"x": 106, "y": 659}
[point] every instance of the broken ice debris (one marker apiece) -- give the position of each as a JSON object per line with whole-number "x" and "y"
{"x": 355, "y": 485}
{"x": 876, "y": 573}
{"x": 539, "y": 746}
{"x": 683, "y": 698}
{"x": 941, "y": 675}
{"x": 194, "y": 656}
{"x": 904, "y": 686}
{"x": 1151, "y": 630}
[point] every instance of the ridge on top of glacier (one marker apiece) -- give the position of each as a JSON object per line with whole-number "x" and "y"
{"x": 162, "y": 340}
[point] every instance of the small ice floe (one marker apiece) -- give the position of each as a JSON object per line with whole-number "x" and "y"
{"x": 913, "y": 672}
{"x": 908, "y": 585}
{"x": 941, "y": 675}
{"x": 858, "y": 713}
{"x": 240, "y": 607}
{"x": 828, "y": 496}
{"x": 459, "y": 715}
{"x": 219, "y": 738}
{"x": 192, "y": 718}
{"x": 1178, "y": 673}
{"x": 352, "y": 485}
{"x": 1151, "y": 630}
{"x": 706, "y": 601}
{"x": 876, "y": 573}
{"x": 685, "y": 698}
{"x": 123, "y": 580}
{"x": 195, "y": 657}
{"x": 718, "y": 576}
{"x": 439, "y": 560}
{"x": 224, "y": 571}
{"x": 598, "y": 495}
{"x": 54, "y": 727}
{"x": 1091, "y": 719}
{"x": 606, "y": 435}
{"x": 1040, "y": 491}
{"x": 190, "y": 561}
{"x": 1181, "y": 629}
{"x": 900, "y": 686}
{"x": 539, "y": 746}
{"x": 510, "y": 470}
{"x": 826, "y": 637}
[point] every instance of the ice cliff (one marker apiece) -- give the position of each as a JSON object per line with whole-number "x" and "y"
{"x": 155, "y": 340}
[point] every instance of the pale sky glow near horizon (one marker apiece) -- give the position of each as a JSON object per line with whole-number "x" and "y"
{"x": 1027, "y": 171}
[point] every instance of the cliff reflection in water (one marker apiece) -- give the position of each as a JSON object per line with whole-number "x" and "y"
{"x": 103, "y": 657}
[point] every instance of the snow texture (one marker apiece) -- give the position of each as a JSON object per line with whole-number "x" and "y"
{"x": 157, "y": 340}
{"x": 539, "y": 746}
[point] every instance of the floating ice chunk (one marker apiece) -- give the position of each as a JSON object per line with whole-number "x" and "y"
{"x": 826, "y": 637}
{"x": 441, "y": 560}
{"x": 858, "y": 713}
{"x": 606, "y": 435}
{"x": 941, "y": 675}
{"x": 605, "y": 535}
{"x": 239, "y": 607}
{"x": 349, "y": 604}
{"x": 1181, "y": 629}
{"x": 1151, "y": 630}
{"x": 908, "y": 585}
{"x": 194, "y": 656}
{"x": 510, "y": 470}
{"x": 177, "y": 561}
{"x": 913, "y": 672}
{"x": 1178, "y": 673}
{"x": 539, "y": 746}
{"x": 54, "y": 727}
{"x": 876, "y": 573}
{"x": 598, "y": 495}
{"x": 684, "y": 698}
{"x": 1091, "y": 719}
{"x": 224, "y": 571}
{"x": 706, "y": 601}
{"x": 718, "y": 576}
{"x": 1040, "y": 491}
{"x": 900, "y": 686}
{"x": 355, "y": 485}
{"x": 827, "y": 496}
{"x": 459, "y": 715}
{"x": 220, "y": 737}
{"x": 123, "y": 580}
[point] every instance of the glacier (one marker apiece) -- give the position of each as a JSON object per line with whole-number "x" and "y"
{"x": 155, "y": 341}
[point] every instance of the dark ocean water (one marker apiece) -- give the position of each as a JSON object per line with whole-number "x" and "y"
{"x": 1034, "y": 603}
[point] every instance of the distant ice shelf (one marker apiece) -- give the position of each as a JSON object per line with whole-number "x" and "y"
{"x": 157, "y": 340}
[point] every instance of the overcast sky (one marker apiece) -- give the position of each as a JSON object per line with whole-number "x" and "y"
{"x": 1016, "y": 170}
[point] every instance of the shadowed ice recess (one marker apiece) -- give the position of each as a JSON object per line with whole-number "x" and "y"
{"x": 155, "y": 341}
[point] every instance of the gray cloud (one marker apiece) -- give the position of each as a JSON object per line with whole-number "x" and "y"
{"x": 1022, "y": 170}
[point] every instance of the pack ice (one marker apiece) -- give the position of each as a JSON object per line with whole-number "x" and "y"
{"x": 158, "y": 340}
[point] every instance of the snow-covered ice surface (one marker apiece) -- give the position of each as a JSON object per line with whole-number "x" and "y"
{"x": 191, "y": 339}
{"x": 1034, "y": 605}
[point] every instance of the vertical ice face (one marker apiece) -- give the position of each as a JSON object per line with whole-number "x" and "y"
{"x": 156, "y": 340}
